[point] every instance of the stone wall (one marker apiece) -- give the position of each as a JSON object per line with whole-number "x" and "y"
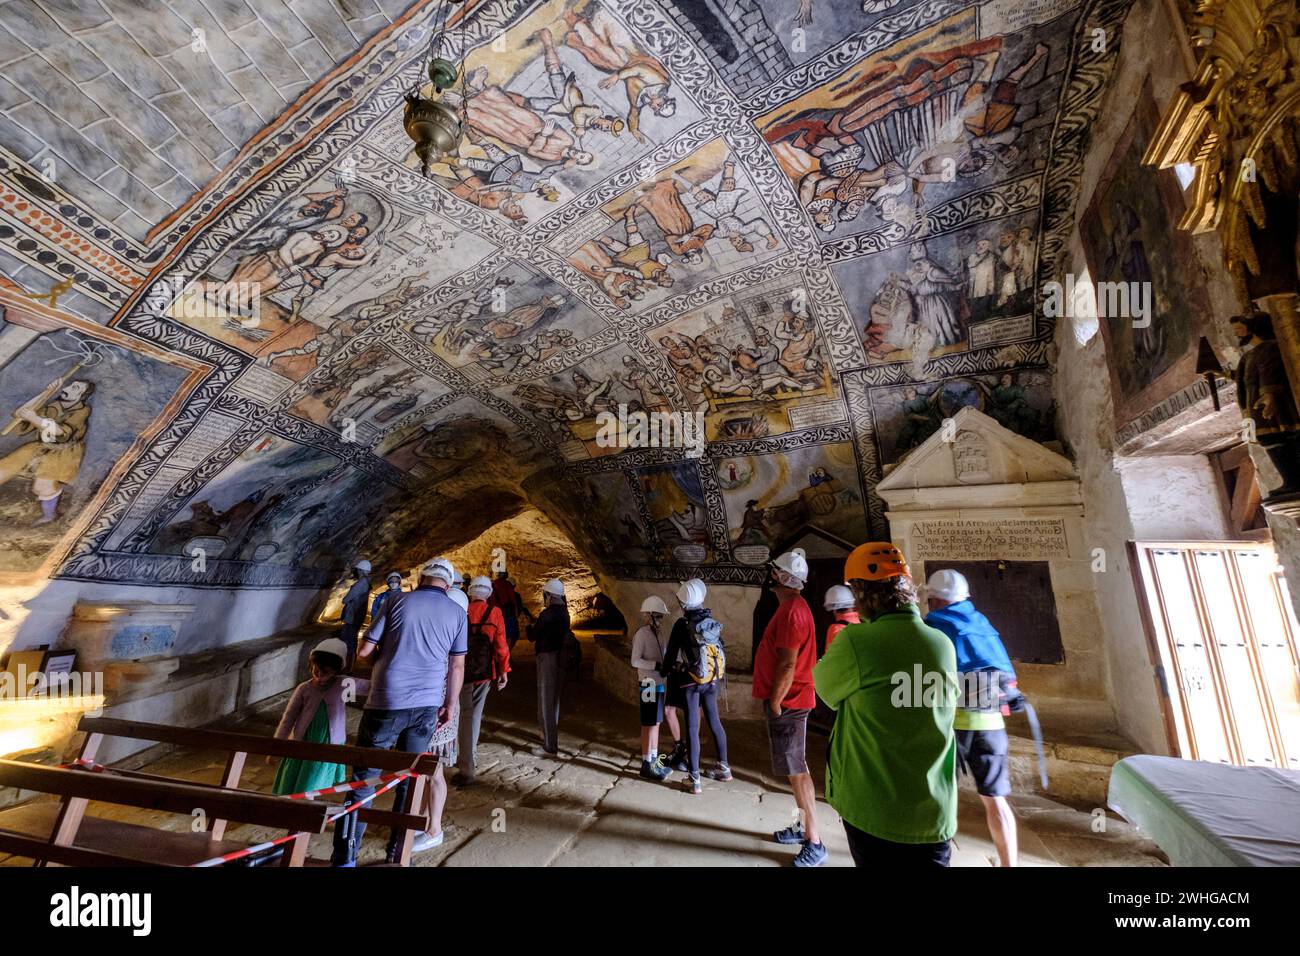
{"x": 1164, "y": 497}
{"x": 534, "y": 550}
{"x": 37, "y": 614}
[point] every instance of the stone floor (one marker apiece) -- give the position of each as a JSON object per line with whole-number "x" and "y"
{"x": 589, "y": 808}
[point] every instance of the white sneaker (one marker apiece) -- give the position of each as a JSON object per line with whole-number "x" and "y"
{"x": 426, "y": 841}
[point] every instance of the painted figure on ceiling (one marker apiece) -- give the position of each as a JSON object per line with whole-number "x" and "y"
{"x": 51, "y": 459}
{"x": 721, "y": 203}
{"x": 637, "y": 254}
{"x": 921, "y": 417}
{"x": 663, "y": 201}
{"x": 506, "y": 116}
{"x": 355, "y": 320}
{"x": 621, "y": 284}
{"x": 606, "y": 45}
{"x": 939, "y": 114}
{"x": 932, "y": 288}
{"x": 567, "y": 99}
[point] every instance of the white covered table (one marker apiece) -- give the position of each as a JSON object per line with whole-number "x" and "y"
{"x": 1211, "y": 814}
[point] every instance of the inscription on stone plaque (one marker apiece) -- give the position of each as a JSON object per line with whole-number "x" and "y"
{"x": 1008, "y": 538}
{"x": 970, "y": 457}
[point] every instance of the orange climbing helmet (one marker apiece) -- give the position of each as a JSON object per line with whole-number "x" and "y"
{"x": 875, "y": 561}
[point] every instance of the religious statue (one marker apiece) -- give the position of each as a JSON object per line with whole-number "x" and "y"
{"x": 1265, "y": 397}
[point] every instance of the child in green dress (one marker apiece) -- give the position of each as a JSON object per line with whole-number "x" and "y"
{"x": 315, "y": 714}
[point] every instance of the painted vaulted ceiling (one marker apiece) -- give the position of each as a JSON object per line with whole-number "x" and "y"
{"x": 816, "y": 227}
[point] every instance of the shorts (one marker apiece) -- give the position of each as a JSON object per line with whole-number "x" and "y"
{"x": 676, "y": 696}
{"x": 985, "y": 754}
{"x": 872, "y": 851}
{"x": 652, "y": 709}
{"x": 788, "y": 736}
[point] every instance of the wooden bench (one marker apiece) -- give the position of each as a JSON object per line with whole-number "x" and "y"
{"x": 237, "y": 747}
{"x": 61, "y": 832}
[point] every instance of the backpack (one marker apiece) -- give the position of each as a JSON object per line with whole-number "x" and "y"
{"x": 480, "y": 653}
{"x": 710, "y": 659}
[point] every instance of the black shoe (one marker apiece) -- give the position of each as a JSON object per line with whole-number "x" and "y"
{"x": 680, "y": 760}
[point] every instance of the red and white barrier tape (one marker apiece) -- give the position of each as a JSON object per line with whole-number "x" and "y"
{"x": 343, "y": 812}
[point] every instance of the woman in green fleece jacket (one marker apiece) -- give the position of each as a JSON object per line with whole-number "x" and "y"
{"x": 891, "y": 772}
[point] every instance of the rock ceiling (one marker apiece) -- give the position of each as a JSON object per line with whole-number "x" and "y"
{"x": 817, "y": 224}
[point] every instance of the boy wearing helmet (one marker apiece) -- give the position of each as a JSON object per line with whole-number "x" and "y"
{"x": 891, "y": 769}
{"x": 982, "y": 742}
{"x": 843, "y": 605}
{"x": 783, "y": 681}
{"x": 648, "y": 646}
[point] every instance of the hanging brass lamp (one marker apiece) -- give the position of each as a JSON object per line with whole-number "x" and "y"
{"x": 433, "y": 125}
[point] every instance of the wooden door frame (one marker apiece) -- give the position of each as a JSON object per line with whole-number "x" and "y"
{"x": 1163, "y": 658}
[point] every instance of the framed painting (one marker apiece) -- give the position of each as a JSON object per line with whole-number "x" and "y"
{"x": 1130, "y": 235}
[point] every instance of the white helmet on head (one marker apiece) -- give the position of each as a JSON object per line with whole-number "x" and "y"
{"x": 792, "y": 568}
{"x": 838, "y": 597}
{"x": 654, "y": 605}
{"x": 948, "y": 585}
{"x": 439, "y": 568}
{"x": 332, "y": 645}
{"x": 692, "y": 593}
{"x": 480, "y": 586}
{"x": 459, "y": 596}
{"x": 554, "y": 587}
{"x": 362, "y": 565}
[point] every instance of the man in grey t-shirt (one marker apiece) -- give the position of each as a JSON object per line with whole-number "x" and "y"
{"x": 420, "y": 640}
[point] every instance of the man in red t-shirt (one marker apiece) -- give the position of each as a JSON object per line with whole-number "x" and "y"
{"x": 783, "y": 681}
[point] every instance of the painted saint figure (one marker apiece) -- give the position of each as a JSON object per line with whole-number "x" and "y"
{"x": 51, "y": 460}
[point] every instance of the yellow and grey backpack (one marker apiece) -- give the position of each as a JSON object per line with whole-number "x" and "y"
{"x": 710, "y": 658}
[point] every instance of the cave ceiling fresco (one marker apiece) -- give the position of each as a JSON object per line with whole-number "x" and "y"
{"x": 818, "y": 224}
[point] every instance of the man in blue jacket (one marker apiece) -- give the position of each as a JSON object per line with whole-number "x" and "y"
{"x": 982, "y": 666}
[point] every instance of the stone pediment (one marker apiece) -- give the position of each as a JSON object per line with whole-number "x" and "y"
{"x": 976, "y": 450}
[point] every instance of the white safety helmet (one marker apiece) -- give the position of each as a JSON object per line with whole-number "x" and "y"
{"x": 654, "y": 605}
{"x": 554, "y": 587}
{"x": 692, "y": 593}
{"x": 459, "y": 596}
{"x": 792, "y": 567}
{"x": 332, "y": 645}
{"x": 363, "y": 566}
{"x": 948, "y": 585}
{"x": 439, "y": 568}
{"x": 838, "y": 598}
{"x": 480, "y": 586}
{"x": 393, "y": 574}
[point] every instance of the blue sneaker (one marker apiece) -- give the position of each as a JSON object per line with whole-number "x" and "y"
{"x": 789, "y": 836}
{"x": 813, "y": 854}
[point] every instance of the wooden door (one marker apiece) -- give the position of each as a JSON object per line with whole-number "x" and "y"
{"x": 1223, "y": 639}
